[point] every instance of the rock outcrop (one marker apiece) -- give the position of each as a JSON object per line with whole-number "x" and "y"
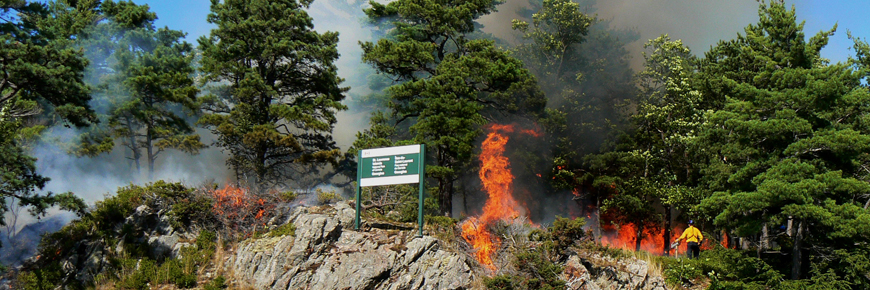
{"x": 326, "y": 253}
{"x": 594, "y": 272}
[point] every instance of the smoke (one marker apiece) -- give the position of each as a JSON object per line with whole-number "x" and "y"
{"x": 347, "y": 18}
{"x": 700, "y": 24}
{"x": 93, "y": 178}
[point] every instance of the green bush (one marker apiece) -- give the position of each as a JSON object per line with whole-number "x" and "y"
{"x": 44, "y": 278}
{"x": 288, "y": 229}
{"x": 287, "y": 196}
{"x": 444, "y": 222}
{"x": 207, "y": 240}
{"x": 565, "y": 232}
{"x": 544, "y": 273}
{"x": 726, "y": 268}
{"x": 503, "y": 282}
{"x": 186, "y": 281}
{"x": 217, "y": 284}
{"x": 326, "y": 197}
{"x": 535, "y": 271}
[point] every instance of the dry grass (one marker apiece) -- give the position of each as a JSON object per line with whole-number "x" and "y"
{"x": 653, "y": 262}
{"x": 220, "y": 255}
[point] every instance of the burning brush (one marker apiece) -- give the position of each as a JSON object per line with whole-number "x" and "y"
{"x": 497, "y": 179}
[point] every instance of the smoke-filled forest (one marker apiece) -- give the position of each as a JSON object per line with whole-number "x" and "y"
{"x": 547, "y": 113}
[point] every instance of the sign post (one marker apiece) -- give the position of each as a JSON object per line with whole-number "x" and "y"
{"x": 388, "y": 166}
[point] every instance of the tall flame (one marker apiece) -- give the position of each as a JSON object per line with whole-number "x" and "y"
{"x": 497, "y": 179}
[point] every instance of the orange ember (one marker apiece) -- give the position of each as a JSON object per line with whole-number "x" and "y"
{"x": 497, "y": 179}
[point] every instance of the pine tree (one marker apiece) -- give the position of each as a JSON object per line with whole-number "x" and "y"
{"x": 283, "y": 88}
{"x": 40, "y": 75}
{"x": 787, "y": 145}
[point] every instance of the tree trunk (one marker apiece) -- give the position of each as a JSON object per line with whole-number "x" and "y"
{"x": 666, "y": 235}
{"x": 151, "y": 157}
{"x": 639, "y": 238}
{"x": 598, "y": 218}
{"x": 133, "y": 147}
{"x": 446, "y": 188}
{"x": 763, "y": 243}
{"x": 796, "y": 258}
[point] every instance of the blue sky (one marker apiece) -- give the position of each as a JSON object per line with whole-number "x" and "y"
{"x": 848, "y": 15}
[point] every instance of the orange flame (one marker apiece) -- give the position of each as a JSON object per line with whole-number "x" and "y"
{"x": 625, "y": 237}
{"x": 236, "y": 202}
{"x": 231, "y": 197}
{"x": 497, "y": 179}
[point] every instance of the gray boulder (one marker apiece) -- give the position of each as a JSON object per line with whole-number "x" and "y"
{"x": 326, "y": 253}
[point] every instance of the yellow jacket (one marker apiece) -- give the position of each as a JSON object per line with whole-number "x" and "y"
{"x": 692, "y": 234}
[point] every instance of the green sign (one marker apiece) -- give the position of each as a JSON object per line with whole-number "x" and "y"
{"x": 391, "y": 165}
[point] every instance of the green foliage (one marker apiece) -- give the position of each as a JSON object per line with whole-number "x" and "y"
{"x": 327, "y": 197}
{"x": 287, "y": 196}
{"x": 786, "y": 140}
{"x": 502, "y": 282}
{"x": 440, "y": 221}
{"x": 566, "y": 232}
{"x": 726, "y": 268}
{"x": 100, "y": 224}
{"x": 288, "y": 229}
{"x": 44, "y": 278}
{"x": 47, "y": 68}
{"x": 149, "y": 84}
{"x": 535, "y": 272}
{"x": 218, "y": 283}
{"x": 277, "y": 115}
{"x": 207, "y": 241}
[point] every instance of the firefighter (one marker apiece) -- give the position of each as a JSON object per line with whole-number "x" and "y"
{"x": 693, "y": 238}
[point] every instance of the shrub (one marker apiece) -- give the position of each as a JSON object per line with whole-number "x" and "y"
{"x": 217, "y": 284}
{"x": 207, "y": 240}
{"x": 287, "y": 196}
{"x": 326, "y": 197}
{"x": 565, "y": 232}
{"x": 186, "y": 281}
{"x": 288, "y": 229}
{"x": 502, "y": 282}
{"x": 534, "y": 271}
{"x": 443, "y": 222}
{"x": 544, "y": 273}
{"x": 44, "y": 278}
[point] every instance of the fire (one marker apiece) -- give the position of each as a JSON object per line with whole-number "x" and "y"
{"x": 235, "y": 202}
{"x": 625, "y": 237}
{"x": 229, "y": 198}
{"x": 497, "y": 179}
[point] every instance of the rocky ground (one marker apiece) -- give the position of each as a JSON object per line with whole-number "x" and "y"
{"x": 325, "y": 252}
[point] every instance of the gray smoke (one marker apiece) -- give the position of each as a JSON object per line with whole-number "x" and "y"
{"x": 347, "y": 18}
{"x": 699, "y": 23}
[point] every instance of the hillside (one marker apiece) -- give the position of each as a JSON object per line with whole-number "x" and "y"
{"x": 157, "y": 244}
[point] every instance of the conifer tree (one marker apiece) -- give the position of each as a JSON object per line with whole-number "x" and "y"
{"x": 40, "y": 75}
{"x": 784, "y": 148}
{"x": 284, "y": 91}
